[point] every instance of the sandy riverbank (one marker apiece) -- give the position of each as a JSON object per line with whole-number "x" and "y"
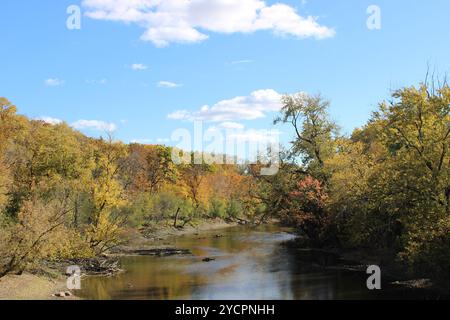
{"x": 32, "y": 287}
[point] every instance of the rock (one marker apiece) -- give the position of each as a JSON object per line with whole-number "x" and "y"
{"x": 208, "y": 259}
{"x": 60, "y": 294}
{"x": 68, "y": 294}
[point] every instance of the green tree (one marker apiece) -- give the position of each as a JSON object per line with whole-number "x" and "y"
{"x": 417, "y": 135}
{"x": 314, "y": 131}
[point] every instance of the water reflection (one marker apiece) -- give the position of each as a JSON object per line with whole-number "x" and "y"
{"x": 249, "y": 264}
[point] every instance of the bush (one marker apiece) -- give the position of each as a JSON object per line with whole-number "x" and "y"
{"x": 306, "y": 210}
{"x": 427, "y": 251}
{"x": 234, "y": 208}
{"x": 159, "y": 208}
{"x": 217, "y": 209}
{"x": 106, "y": 233}
{"x": 38, "y": 233}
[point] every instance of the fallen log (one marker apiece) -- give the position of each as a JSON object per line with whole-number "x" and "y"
{"x": 162, "y": 252}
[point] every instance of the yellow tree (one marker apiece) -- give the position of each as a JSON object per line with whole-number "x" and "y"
{"x": 107, "y": 195}
{"x": 148, "y": 168}
{"x": 417, "y": 135}
{"x": 7, "y": 114}
{"x": 192, "y": 176}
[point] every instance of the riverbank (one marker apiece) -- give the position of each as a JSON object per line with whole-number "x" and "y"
{"x": 50, "y": 279}
{"x": 33, "y": 287}
{"x": 160, "y": 238}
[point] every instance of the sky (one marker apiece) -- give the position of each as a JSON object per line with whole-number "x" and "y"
{"x": 145, "y": 68}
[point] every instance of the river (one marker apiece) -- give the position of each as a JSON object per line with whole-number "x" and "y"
{"x": 249, "y": 263}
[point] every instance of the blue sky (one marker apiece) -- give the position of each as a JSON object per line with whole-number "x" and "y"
{"x": 133, "y": 72}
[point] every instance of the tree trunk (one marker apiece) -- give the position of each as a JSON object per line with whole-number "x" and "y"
{"x": 75, "y": 215}
{"x": 176, "y": 217}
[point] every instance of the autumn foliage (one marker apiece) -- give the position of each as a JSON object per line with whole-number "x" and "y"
{"x": 306, "y": 208}
{"x": 65, "y": 195}
{"x": 384, "y": 187}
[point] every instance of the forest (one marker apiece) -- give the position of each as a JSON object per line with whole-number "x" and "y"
{"x": 386, "y": 187}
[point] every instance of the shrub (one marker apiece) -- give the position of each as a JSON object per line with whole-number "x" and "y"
{"x": 217, "y": 209}
{"x": 306, "y": 209}
{"x": 158, "y": 208}
{"x": 427, "y": 251}
{"x": 34, "y": 236}
{"x": 234, "y": 208}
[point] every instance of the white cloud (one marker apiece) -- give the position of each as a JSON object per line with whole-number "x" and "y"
{"x": 254, "y": 135}
{"x": 53, "y": 82}
{"x": 139, "y": 67}
{"x": 94, "y": 125}
{"x": 179, "y": 115}
{"x": 168, "y": 84}
{"x": 251, "y": 107}
{"x": 142, "y": 141}
{"x": 232, "y": 125}
{"x": 169, "y": 21}
{"x": 50, "y": 120}
{"x": 241, "y": 61}
{"x": 97, "y": 82}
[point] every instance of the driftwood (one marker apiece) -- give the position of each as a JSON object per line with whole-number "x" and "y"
{"x": 208, "y": 259}
{"x": 161, "y": 252}
{"x": 242, "y": 221}
{"x": 96, "y": 266}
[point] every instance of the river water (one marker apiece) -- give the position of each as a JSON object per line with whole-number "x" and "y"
{"x": 249, "y": 264}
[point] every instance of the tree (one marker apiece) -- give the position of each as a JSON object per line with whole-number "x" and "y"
{"x": 45, "y": 159}
{"x": 306, "y": 210}
{"x": 148, "y": 168}
{"x": 192, "y": 176}
{"x": 272, "y": 193}
{"x": 33, "y": 237}
{"x": 417, "y": 135}
{"x": 106, "y": 195}
{"x": 314, "y": 131}
{"x": 7, "y": 129}
{"x": 356, "y": 190}
{"x": 418, "y": 125}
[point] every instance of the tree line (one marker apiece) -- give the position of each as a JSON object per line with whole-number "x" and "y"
{"x": 65, "y": 195}
{"x": 384, "y": 187}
